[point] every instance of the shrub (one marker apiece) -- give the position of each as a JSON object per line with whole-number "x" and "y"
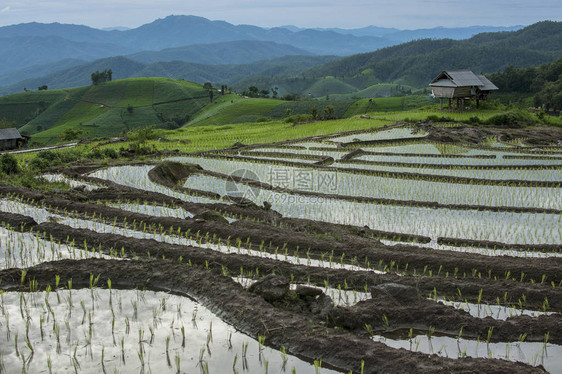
{"x": 95, "y": 154}
{"x": 9, "y": 164}
{"x": 39, "y": 164}
{"x": 46, "y": 159}
{"x": 169, "y": 125}
{"x": 47, "y": 155}
{"x": 511, "y": 118}
{"x": 68, "y": 156}
{"x": 70, "y": 134}
{"x": 110, "y": 153}
{"x": 475, "y": 120}
{"x": 299, "y": 118}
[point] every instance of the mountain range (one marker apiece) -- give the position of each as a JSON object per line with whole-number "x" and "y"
{"x": 293, "y": 59}
{"x": 35, "y": 44}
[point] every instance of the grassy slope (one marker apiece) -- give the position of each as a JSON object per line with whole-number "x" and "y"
{"x": 22, "y": 107}
{"x": 233, "y": 109}
{"x": 305, "y": 107}
{"x": 376, "y": 90}
{"x": 388, "y": 104}
{"x": 102, "y": 110}
{"x": 215, "y": 137}
{"x": 330, "y": 86}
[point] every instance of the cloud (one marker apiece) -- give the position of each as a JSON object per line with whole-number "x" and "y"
{"x": 5, "y": 10}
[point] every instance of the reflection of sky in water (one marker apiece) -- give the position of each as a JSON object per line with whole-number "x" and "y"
{"x": 532, "y": 353}
{"x": 152, "y": 319}
{"x": 518, "y": 228}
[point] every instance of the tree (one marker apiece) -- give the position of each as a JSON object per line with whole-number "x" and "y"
{"x": 329, "y": 111}
{"x": 43, "y": 87}
{"x": 101, "y": 77}
{"x": 70, "y": 134}
{"x": 314, "y": 112}
{"x": 253, "y": 91}
{"x": 211, "y": 95}
{"x": 9, "y": 164}
{"x": 207, "y": 86}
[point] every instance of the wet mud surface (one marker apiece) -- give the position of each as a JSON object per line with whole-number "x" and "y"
{"x": 339, "y": 348}
{"x": 303, "y": 320}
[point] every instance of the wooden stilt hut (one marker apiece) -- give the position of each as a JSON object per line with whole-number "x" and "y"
{"x": 459, "y": 86}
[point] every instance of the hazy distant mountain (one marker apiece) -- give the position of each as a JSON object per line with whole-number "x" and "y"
{"x": 78, "y": 75}
{"x": 237, "y": 52}
{"x": 26, "y": 51}
{"x": 34, "y": 49}
{"x": 123, "y": 67}
{"x": 176, "y": 31}
{"x": 38, "y": 71}
{"x": 115, "y": 28}
{"x": 77, "y": 33}
{"x": 363, "y": 31}
{"x": 394, "y": 35}
{"x": 35, "y": 43}
{"x": 446, "y": 33}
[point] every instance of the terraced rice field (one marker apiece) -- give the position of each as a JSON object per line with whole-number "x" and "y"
{"x": 321, "y": 255}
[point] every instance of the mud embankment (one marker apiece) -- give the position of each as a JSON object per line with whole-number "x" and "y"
{"x": 252, "y": 314}
{"x": 488, "y": 289}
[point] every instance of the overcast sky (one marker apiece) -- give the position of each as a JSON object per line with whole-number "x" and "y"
{"x": 402, "y": 14}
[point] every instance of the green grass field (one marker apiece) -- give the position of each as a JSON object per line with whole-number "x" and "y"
{"x": 388, "y": 104}
{"x": 119, "y": 106}
{"x": 330, "y": 86}
{"x": 233, "y": 109}
{"x": 375, "y": 91}
{"x": 103, "y": 110}
{"x": 305, "y": 107}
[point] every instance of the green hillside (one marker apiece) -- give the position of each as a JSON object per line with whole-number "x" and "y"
{"x": 104, "y": 110}
{"x": 234, "y": 109}
{"x": 388, "y": 104}
{"x": 377, "y": 90}
{"x": 113, "y": 108}
{"x": 417, "y": 62}
{"x": 328, "y": 86}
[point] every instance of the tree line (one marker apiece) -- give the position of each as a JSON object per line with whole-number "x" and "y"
{"x": 544, "y": 82}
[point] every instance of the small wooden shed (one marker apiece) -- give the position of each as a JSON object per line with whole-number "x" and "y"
{"x": 11, "y": 139}
{"x": 461, "y": 85}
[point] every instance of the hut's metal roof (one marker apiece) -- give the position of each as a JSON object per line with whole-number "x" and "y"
{"x": 443, "y": 83}
{"x": 488, "y": 85}
{"x": 462, "y": 78}
{"x": 11, "y": 133}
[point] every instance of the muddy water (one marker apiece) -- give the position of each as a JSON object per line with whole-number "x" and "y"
{"x": 533, "y": 354}
{"x": 128, "y": 331}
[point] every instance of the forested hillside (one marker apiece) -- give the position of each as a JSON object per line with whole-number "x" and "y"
{"x": 416, "y": 63}
{"x": 544, "y": 82}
